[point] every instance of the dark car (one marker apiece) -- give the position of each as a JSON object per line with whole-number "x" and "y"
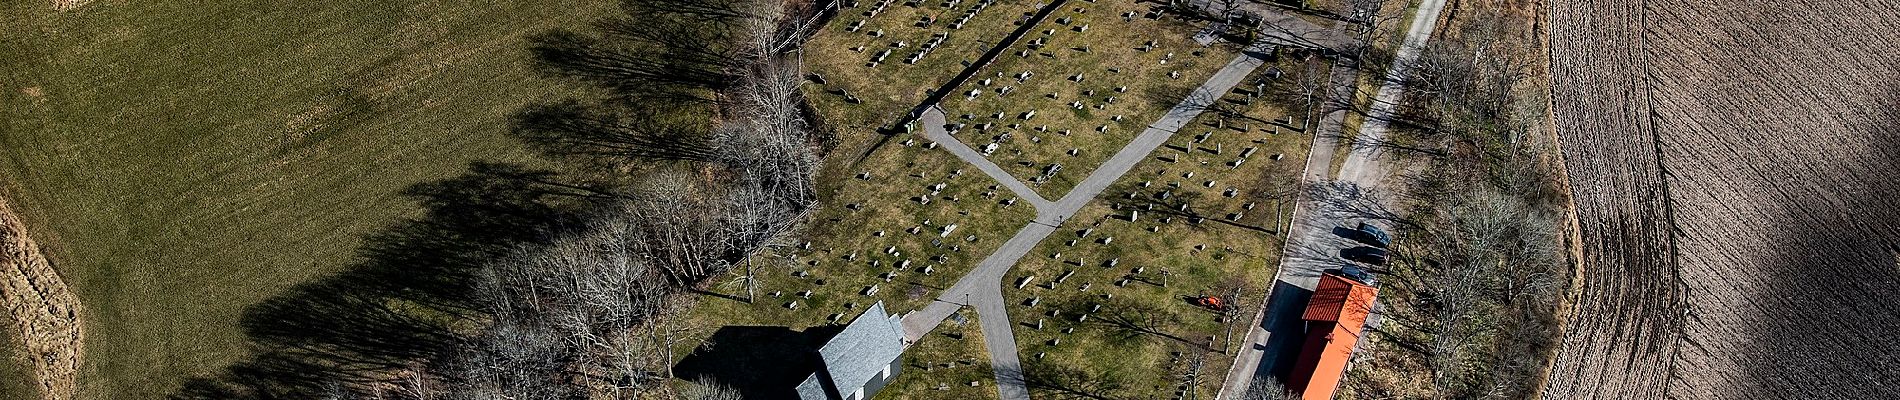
{"x": 1374, "y": 236}
{"x": 1365, "y": 234}
{"x": 1364, "y": 254}
{"x": 1354, "y": 273}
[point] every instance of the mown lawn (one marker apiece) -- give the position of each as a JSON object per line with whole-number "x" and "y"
{"x": 942, "y": 365}
{"x": 182, "y": 160}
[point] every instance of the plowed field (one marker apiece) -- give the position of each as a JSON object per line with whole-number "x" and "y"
{"x": 1732, "y": 164}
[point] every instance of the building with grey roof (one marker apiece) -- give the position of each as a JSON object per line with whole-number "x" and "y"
{"x": 859, "y": 360}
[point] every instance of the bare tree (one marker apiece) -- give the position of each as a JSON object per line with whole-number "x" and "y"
{"x": 1267, "y": 388}
{"x": 708, "y": 389}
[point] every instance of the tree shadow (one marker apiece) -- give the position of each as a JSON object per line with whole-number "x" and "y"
{"x": 399, "y": 303}
{"x": 761, "y": 362}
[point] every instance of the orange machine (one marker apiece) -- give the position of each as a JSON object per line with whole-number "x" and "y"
{"x": 1334, "y": 319}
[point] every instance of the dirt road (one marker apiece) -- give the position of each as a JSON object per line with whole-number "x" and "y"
{"x": 1732, "y": 164}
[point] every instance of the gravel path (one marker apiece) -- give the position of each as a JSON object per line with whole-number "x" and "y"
{"x": 982, "y": 287}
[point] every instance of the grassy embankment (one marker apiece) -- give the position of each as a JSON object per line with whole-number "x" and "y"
{"x": 182, "y": 161}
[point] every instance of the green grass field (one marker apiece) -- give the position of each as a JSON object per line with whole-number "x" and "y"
{"x": 182, "y": 160}
{"x": 16, "y": 376}
{"x": 941, "y": 365}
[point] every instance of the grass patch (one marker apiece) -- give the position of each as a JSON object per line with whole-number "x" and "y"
{"x": 16, "y": 375}
{"x": 892, "y": 88}
{"x": 942, "y": 364}
{"x": 184, "y": 160}
{"x": 1117, "y": 56}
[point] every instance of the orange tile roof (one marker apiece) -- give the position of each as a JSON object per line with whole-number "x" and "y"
{"x": 1340, "y": 299}
{"x": 1337, "y": 313}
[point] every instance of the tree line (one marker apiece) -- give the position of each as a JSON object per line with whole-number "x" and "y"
{"x": 523, "y": 283}
{"x": 1473, "y": 288}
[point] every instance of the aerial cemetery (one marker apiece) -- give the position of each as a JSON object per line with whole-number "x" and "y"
{"x": 1066, "y": 96}
{"x": 1145, "y": 285}
{"x": 876, "y": 59}
{"x": 901, "y": 218}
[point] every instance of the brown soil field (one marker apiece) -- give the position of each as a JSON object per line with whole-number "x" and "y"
{"x": 42, "y": 311}
{"x": 1732, "y": 165}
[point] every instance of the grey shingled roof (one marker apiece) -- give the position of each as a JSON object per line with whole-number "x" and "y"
{"x": 811, "y": 389}
{"x": 864, "y": 348}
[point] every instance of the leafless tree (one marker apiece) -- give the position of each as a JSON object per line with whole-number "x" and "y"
{"x": 707, "y": 389}
{"x": 1267, "y": 388}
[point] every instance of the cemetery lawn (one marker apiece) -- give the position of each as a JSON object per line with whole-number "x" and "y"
{"x": 886, "y": 201}
{"x": 181, "y": 161}
{"x": 949, "y": 358}
{"x": 891, "y": 89}
{"x": 1222, "y": 255}
{"x": 1116, "y": 64}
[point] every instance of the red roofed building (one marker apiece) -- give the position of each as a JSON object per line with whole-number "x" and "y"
{"x": 1334, "y": 319}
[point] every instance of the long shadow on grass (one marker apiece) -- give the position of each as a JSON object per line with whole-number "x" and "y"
{"x": 399, "y": 303}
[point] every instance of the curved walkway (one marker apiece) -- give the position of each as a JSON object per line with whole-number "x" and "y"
{"x": 982, "y": 287}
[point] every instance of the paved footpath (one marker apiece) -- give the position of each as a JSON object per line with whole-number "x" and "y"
{"x": 982, "y": 287}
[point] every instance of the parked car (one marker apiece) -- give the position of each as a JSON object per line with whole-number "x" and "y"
{"x": 1355, "y": 273}
{"x": 1366, "y": 234}
{"x": 1375, "y": 237}
{"x": 1364, "y": 254}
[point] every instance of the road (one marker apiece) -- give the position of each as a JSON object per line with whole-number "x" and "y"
{"x": 1311, "y": 245}
{"x": 1362, "y": 163}
{"x": 981, "y": 288}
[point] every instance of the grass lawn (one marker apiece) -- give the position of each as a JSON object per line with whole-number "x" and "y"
{"x": 16, "y": 375}
{"x": 182, "y": 160}
{"x": 847, "y": 255}
{"x": 942, "y": 364}
{"x": 1113, "y": 61}
{"x": 1234, "y": 249}
{"x": 893, "y": 87}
